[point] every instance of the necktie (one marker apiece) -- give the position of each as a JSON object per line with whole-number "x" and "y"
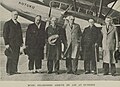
{"x": 107, "y": 28}
{"x": 15, "y": 22}
{"x": 71, "y": 26}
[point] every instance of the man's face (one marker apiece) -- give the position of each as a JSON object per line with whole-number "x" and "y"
{"x": 91, "y": 22}
{"x": 15, "y": 15}
{"x": 71, "y": 20}
{"x": 108, "y": 21}
{"x": 37, "y": 20}
{"x": 53, "y": 20}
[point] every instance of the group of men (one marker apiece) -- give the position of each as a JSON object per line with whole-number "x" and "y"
{"x": 73, "y": 39}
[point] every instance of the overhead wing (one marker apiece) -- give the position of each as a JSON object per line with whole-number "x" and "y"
{"x": 105, "y": 2}
{"x": 37, "y": 1}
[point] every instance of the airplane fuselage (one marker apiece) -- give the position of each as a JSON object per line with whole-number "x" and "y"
{"x": 27, "y": 9}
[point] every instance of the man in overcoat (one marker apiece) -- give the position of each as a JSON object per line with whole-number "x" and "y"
{"x": 12, "y": 34}
{"x": 109, "y": 45}
{"x": 35, "y": 42}
{"x": 55, "y": 38}
{"x": 73, "y": 39}
{"x": 91, "y": 39}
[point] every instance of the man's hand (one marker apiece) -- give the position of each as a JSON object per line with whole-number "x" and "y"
{"x": 6, "y": 46}
{"x": 117, "y": 48}
{"x": 21, "y": 50}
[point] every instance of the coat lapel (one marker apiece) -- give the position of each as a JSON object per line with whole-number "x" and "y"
{"x": 105, "y": 30}
{"x": 12, "y": 23}
{"x": 73, "y": 28}
{"x": 14, "y": 26}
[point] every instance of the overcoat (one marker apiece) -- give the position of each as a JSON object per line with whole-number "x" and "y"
{"x": 35, "y": 40}
{"x": 12, "y": 34}
{"x": 109, "y": 43}
{"x": 73, "y": 39}
{"x": 54, "y": 51}
{"x": 91, "y": 35}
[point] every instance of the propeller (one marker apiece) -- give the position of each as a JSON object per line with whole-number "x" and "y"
{"x": 50, "y": 11}
{"x": 111, "y": 8}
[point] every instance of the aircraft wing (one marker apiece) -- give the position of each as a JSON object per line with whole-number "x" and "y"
{"x": 37, "y": 1}
{"x": 105, "y": 2}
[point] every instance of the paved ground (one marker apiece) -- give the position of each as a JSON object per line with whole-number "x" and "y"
{"x": 27, "y": 76}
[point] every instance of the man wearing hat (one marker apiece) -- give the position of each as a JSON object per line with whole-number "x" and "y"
{"x": 12, "y": 35}
{"x": 73, "y": 36}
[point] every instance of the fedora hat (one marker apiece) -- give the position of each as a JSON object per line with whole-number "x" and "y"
{"x": 8, "y": 52}
{"x": 117, "y": 55}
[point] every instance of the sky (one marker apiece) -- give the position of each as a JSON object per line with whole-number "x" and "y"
{"x": 6, "y": 15}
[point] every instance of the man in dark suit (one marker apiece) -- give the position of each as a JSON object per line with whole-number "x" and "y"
{"x": 12, "y": 35}
{"x": 90, "y": 39}
{"x": 35, "y": 41}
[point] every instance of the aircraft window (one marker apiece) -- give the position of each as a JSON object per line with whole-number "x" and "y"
{"x": 90, "y": 12}
{"x": 55, "y": 4}
{"x": 64, "y": 6}
{"x": 76, "y": 9}
{"x": 94, "y": 14}
{"x": 82, "y": 10}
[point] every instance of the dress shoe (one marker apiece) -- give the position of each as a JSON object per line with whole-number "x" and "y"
{"x": 32, "y": 71}
{"x": 87, "y": 72}
{"x": 17, "y": 73}
{"x": 9, "y": 74}
{"x": 75, "y": 73}
{"x": 70, "y": 72}
{"x": 113, "y": 74}
{"x": 36, "y": 72}
{"x": 106, "y": 74}
{"x": 93, "y": 72}
{"x": 49, "y": 72}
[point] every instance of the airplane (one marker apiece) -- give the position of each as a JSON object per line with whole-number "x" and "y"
{"x": 81, "y": 9}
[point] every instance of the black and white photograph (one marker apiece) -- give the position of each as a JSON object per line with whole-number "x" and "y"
{"x": 60, "y": 41}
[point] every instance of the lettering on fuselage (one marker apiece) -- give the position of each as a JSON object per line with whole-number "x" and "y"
{"x": 27, "y": 5}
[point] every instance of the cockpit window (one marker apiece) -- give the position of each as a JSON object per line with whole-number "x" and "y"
{"x": 77, "y": 9}
{"x": 55, "y": 4}
{"x": 59, "y": 5}
{"x": 64, "y": 6}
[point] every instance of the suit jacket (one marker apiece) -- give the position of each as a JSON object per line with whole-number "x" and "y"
{"x": 12, "y": 34}
{"x": 35, "y": 37}
{"x": 110, "y": 38}
{"x": 73, "y": 36}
